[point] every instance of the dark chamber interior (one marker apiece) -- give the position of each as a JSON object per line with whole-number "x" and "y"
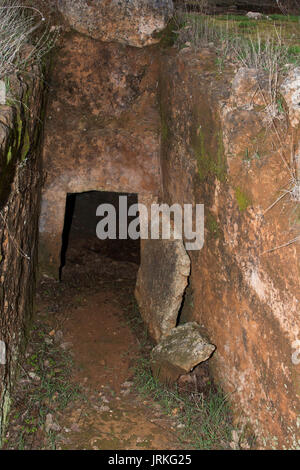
{"x": 79, "y": 239}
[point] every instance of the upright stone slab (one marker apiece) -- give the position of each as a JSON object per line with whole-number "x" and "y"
{"x": 162, "y": 279}
{"x": 132, "y": 22}
{"x": 178, "y": 353}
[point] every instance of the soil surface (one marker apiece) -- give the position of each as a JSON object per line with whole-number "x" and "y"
{"x": 104, "y": 349}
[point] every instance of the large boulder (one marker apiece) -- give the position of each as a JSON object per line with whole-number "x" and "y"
{"x": 179, "y": 352}
{"x": 132, "y": 22}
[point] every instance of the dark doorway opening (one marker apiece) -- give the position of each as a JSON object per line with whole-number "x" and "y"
{"x": 80, "y": 244}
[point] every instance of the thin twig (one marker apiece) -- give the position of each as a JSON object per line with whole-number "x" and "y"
{"x": 281, "y": 246}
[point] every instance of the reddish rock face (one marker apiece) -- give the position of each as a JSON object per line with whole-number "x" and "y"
{"x": 221, "y": 150}
{"x": 101, "y": 132}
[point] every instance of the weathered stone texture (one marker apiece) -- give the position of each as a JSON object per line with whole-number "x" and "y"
{"x": 219, "y": 149}
{"x": 20, "y": 201}
{"x": 131, "y": 22}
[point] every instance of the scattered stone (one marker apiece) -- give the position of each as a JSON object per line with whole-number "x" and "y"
{"x": 131, "y": 22}
{"x": 50, "y": 424}
{"x": 290, "y": 90}
{"x": 2, "y": 353}
{"x": 180, "y": 352}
